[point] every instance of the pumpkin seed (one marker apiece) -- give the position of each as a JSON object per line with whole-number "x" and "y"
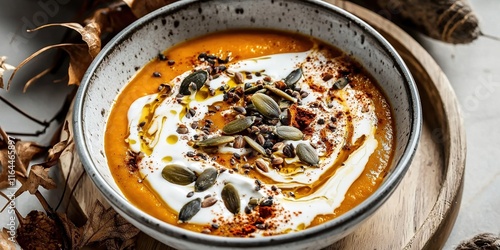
{"x": 289, "y": 133}
{"x": 189, "y": 210}
{"x": 231, "y": 198}
{"x": 341, "y": 83}
{"x": 255, "y": 145}
{"x": 238, "y": 125}
{"x": 307, "y": 154}
{"x": 208, "y": 202}
{"x": 293, "y": 77}
{"x": 205, "y": 180}
{"x": 266, "y": 105}
{"x": 198, "y": 78}
{"x": 178, "y": 174}
{"x": 214, "y": 141}
{"x": 280, "y": 93}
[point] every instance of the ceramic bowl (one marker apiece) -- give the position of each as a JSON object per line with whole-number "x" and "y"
{"x": 141, "y": 41}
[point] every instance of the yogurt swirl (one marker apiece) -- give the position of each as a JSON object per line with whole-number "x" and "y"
{"x": 339, "y": 123}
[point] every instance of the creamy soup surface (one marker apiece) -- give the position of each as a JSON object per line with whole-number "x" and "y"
{"x": 249, "y": 133}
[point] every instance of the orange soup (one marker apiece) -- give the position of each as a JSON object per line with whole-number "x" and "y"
{"x": 249, "y": 133}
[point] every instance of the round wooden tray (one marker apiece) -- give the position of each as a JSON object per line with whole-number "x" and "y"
{"x": 421, "y": 212}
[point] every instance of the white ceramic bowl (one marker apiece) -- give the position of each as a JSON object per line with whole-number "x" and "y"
{"x": 140, "y": 42}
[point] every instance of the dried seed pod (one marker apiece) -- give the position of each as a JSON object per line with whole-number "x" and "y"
{"x": 253, "y": 144}
{"x": 293, "y": 77}
{"x": 206, "y": 179}
{"x": 266, "y": 105}
{"x": 231, "y": 198}
{"x": 289, "y": 133}
{"x": 178, "y": 174}
{"x": 198, "y": 78}
{"x": 189, "y": 210}
{"x": 280, "y": 93}
{"x": 262, "y": 165}
{"x": 451, "y": 21}
{"x": 307, "y": 154}
{"x": 215, "y": 141}
{"x": 238, "y": 125}
{"x": 208, "y": 202}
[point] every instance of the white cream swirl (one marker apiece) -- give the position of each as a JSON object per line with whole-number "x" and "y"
{"x": 340, "y": 114}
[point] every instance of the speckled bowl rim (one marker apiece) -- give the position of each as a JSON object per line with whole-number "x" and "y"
{"x": 337, "y": 225}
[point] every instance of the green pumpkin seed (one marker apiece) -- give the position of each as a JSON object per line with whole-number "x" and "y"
{"x": 341, "y": 83}
{"x": 280, "y": 93}
{"x": 255, "y": 145}
{"x": 215, "y": 141}
{"x": 231, "y": 198}
{"x": 205, "y": 180}
{"x": 293, "y": 77}
{"x": 307, "y": 154}
{"x": 289, "y": 133}
{"x": 266, "y": 105}
{"x": 198, "y": 78}
{"x": 238, "y": 125}
{"x": 178, "y": 174}
{"x": 189, "y": 210}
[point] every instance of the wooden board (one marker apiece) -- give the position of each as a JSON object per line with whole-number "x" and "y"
{"x": 422, "y": 211}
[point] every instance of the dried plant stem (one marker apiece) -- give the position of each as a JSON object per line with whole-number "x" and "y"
{"x": 42, "y": 123}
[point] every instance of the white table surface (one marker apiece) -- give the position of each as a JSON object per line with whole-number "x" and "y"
{"x": 473, "y": 70}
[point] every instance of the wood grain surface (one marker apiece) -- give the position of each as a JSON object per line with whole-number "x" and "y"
{"x": 422, "y": 211}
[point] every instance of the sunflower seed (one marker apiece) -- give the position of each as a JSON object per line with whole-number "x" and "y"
{"x": 238, "y": 125}
{"x": 289, "y": 133}
{"x": 198, "y": 78}
{"x": 266, "y": 202}
{"x": 208, "y": 202}
{"x": 293, "y": 77}
{"x": 231, "y": 198}
{"x": 266, "y": 105}
{"x": 253, "y": 144}
{"x": 341, "y": 83}
{"x": 277, "y": 161}
{"x": 307, "y": 154}
{"x": 289, "y": 150}
{"x": 262, "y": 165}
{"x": 205, "y": 180}
{"x": 239, "y": 142}
{"x": 215, "y": 141}
{"x": 178, "y": 174}
{"x": 189, "y": 210}
{"x": 238, "y": 78}
{"x": 280, "y": 93}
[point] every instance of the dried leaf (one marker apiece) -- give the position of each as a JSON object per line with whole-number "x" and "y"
{"x": 143, "y": 7}
{"x": 105, "y": 225}
{"x": 38, "y": 176}
{"x": 26, "y": 151}
{"x": 90, "y": 34}
{"x": 5, "y": 242}
{"x": 80, "y": 59}
{"x": 23, "y": 154}
{"x": 39, "y": 231}
{"x": 4, "y": 67}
